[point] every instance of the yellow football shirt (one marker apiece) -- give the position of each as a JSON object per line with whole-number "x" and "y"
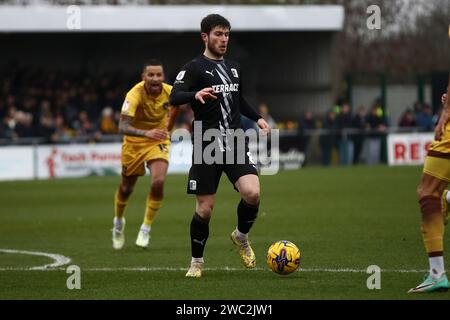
{"x": 148, "y": 112}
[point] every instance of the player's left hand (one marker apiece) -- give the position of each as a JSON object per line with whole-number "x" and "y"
{"x": 264, "y": 126}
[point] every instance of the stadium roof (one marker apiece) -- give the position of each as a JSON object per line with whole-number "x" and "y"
{"x": 168, "y": 18}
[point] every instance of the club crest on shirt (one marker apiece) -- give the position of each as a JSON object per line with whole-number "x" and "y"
{"x": 180, "y": 75}
{"x": 234, "y": 72}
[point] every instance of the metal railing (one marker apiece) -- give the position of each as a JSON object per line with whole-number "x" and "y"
{"x": 103, "y": 138}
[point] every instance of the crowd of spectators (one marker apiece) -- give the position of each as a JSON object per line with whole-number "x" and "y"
{"x": 419, "y": 116}
{"x": 59, "y": 107}
{"x": 347, "y": 133}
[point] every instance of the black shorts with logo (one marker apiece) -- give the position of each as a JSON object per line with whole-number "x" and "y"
{"x": 204, "y": 177}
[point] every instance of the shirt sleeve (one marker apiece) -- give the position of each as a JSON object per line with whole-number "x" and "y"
{"x": 130, "y": 104}
{"x": 245, "y": 108}
{"x": 183, "y": 88}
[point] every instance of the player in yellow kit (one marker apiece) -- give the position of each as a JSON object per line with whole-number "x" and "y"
{"x": 145, "y": 124}
{"x": 433, "y": 197}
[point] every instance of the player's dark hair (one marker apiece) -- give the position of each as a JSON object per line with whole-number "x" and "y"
{"x": 213, "y": 20}
{"x": 151, "y": 62}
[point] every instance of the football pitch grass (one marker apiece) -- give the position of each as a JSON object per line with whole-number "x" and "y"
{"x": 342, "y": 219}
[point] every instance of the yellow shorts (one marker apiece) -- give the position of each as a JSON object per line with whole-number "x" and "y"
{"x": 438, "y": 167}
{"x": 135, "y": 156}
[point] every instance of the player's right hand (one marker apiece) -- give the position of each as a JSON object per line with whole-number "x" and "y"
{"x": 444, "y": 99}
{"x": 205, "y": 94}
{"x": 157, "y": 134}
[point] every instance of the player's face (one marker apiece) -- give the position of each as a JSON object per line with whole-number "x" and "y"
{"x": 217, "y": 41}
{"x": 153, "y": 77}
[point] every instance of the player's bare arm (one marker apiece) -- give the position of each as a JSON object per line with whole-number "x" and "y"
{"x": 173, "y": 114}
{"x": 443, "y": 119}
{"x": 205, "y": 94}
{"x": 126, "y": 128}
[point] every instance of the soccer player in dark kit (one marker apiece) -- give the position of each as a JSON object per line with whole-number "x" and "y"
{"x": 212, "y": 86}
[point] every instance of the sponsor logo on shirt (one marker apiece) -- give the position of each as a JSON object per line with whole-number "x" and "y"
{"x": 233, "y": 87}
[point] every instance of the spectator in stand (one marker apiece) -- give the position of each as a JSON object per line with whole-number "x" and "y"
{"x": 86, "y": 128}
{"x": 344, "y": 123}
{"x": 305, "y": 123}
{"x": 9, "y": 123}
{"x": 29, "y": 106}
{"x": 46, "y": 121}
{"x": 417, "y": 107}
{"x": 407, "y": 120}
{"x": 424, "y": 119}
{"x": 359, "y": 123}
{"x": 328, "y": 140}
{"x": 62, "y": 133}
{"x": 24, "y": 125}
{"x": 107, "y": 122}
{"x": 377, "y": 124}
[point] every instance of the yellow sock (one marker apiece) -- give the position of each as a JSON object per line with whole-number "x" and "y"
{"x": 151, "y": 210}
{"x": 433, "y": 233}
{"x": 119, "y": 205}
{"x": 432, "y": 225}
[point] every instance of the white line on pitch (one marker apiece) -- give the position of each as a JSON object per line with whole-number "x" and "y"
{"x": 58, "y": 260}
{"x": 231, "y": 269}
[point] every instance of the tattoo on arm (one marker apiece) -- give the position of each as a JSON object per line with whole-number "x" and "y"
{"x": 126, "y": 128}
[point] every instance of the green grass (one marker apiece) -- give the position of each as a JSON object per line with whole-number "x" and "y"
{"x": 339, "y": 217}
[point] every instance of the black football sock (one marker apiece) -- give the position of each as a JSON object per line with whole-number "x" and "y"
{"x": 247, "y": 214}
{"x": 199, "y": 235}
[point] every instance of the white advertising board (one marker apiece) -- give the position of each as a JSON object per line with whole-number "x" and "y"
{"x": 78, "y": 160}
{"x": 408, "y": 148}
{"x": 16, "y": 163}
